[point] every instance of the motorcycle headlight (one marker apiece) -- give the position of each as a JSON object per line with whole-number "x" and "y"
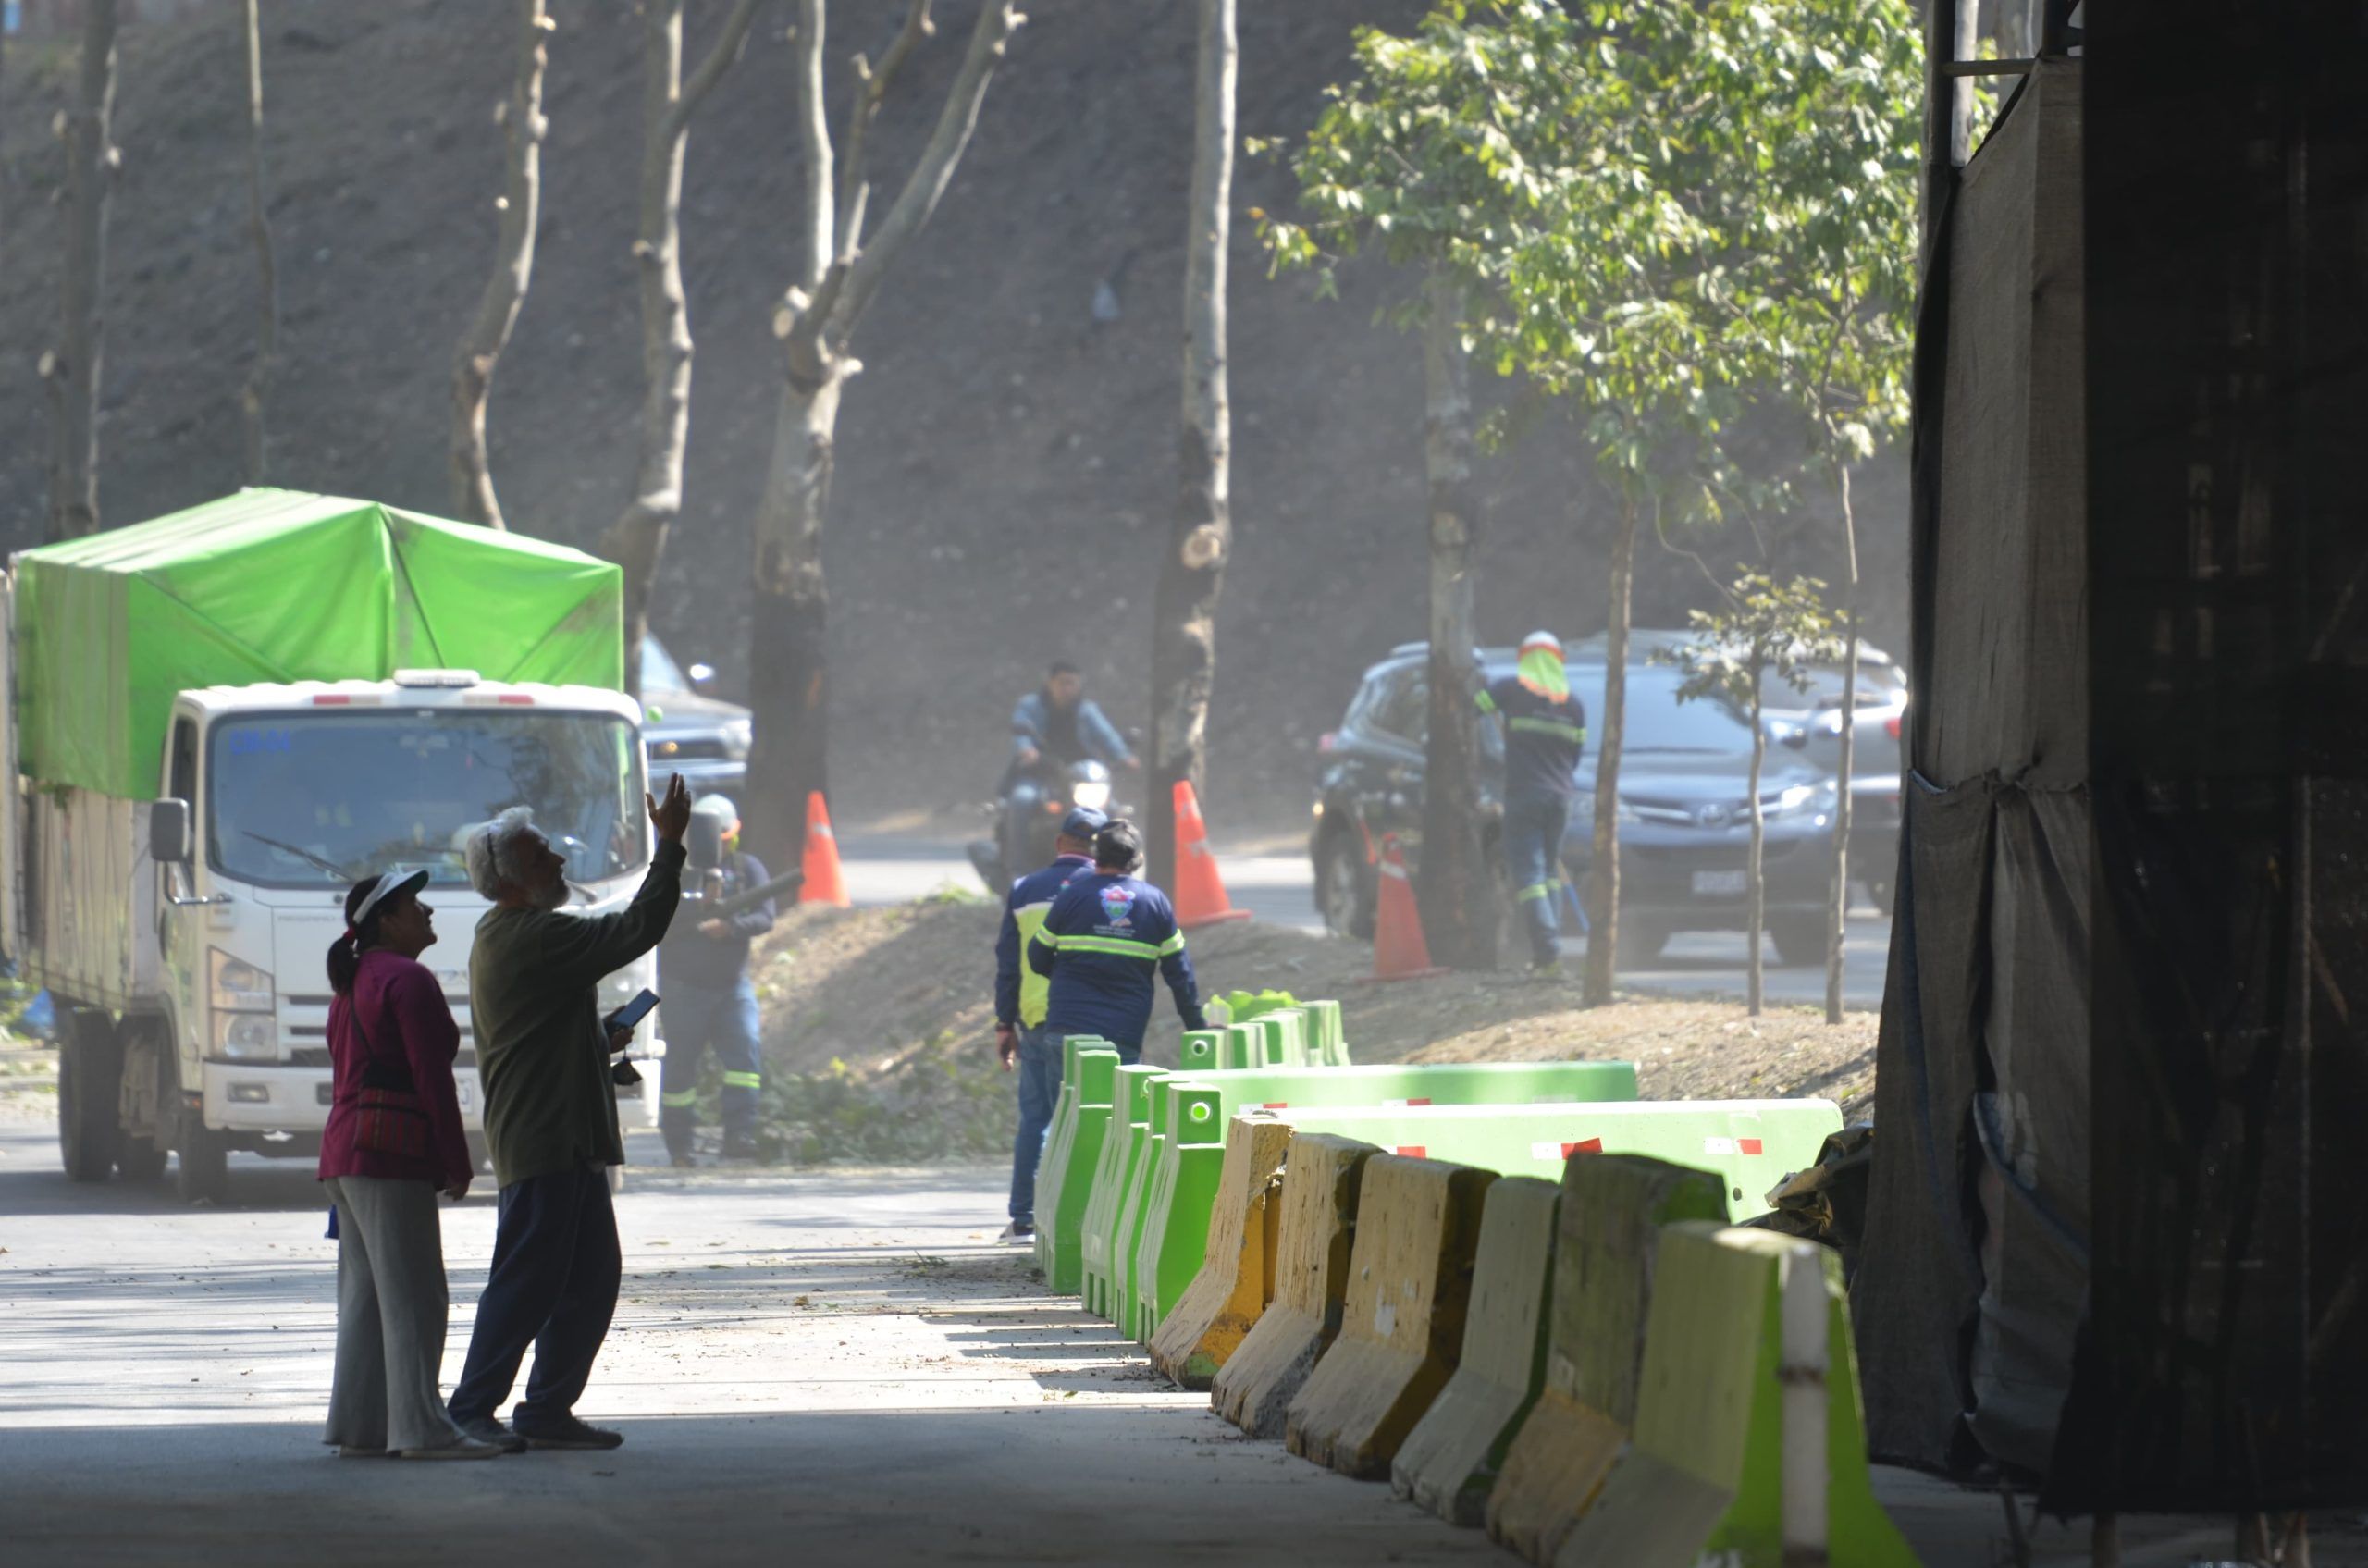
{"x": 739, "y": 735}
{"x": 1092, "y": 793}
{"x": 245, "y": 1037}
{"x": 237, "y": 986}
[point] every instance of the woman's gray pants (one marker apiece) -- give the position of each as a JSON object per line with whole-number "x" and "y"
{"x": 390, "y": 1308}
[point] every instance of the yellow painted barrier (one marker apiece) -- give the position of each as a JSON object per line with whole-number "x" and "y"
{"x": 1450, "y": 1462}
{"x": 1237, "y": 1278}
{"x": 1402, "y": 1325}
{"x": 1319, "y": 1201}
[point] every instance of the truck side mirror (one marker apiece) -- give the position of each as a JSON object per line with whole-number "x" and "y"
{"x": 170, "y": 842}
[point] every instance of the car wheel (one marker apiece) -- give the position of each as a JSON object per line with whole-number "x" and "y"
{"x": 1799, "y": 936}
{"x": 1344, "y": 892}
{"x": 1643, "y": 937}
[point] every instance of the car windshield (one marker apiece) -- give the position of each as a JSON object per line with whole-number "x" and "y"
{"x": 1657, "y": 720}
{"x": 302, "y": 798}
{"x": 659, "y": 671}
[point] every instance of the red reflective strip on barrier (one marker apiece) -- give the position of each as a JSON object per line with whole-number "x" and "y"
{"x": 1750, "y": 1145}
{"x": 1276, "y": 1106}
{"x": 1584, "y": 1146}
{"x": 1402, "y": 1105}
{"x": 1412, "y": 1151}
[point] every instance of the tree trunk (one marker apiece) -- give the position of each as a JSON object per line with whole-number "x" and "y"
{"x": 1603, "y": 876}
{"x": 258, "y": 386}
{"x": 1754, "y": 883}
{"x": 1452, "y": 887}
{"x": 74, "y": 370}
{"x": 1183, "y": 649}
{"x": 789, "y": 663}
{"x": 1838, "y": 916}
{"x": 513, "y": 268}
{"x": 637, "y": 541}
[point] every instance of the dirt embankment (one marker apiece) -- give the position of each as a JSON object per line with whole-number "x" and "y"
{"x": 879, "y": 1029}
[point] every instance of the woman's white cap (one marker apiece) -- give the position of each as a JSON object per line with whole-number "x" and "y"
{"x": 390, "y": 884}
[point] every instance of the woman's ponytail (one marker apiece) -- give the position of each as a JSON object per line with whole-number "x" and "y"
{"x": 345, "y": 953}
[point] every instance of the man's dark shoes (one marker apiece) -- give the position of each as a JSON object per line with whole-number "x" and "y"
{"x": 489, "y": 1429}
{"x": 567, "y": 1432}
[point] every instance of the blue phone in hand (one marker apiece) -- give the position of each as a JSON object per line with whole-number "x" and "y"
{"x": 631, "y": 1013}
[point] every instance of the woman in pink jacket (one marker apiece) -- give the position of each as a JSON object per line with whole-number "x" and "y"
{"x": 392, "y": 1142}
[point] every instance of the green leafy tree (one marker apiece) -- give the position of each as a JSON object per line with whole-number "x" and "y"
{"x": 1764, "y": 631}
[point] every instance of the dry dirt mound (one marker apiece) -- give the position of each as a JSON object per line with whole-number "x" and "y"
{"x": 879, "y": 1028}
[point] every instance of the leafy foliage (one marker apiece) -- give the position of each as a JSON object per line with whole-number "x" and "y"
{"x": 1765, "y": 628}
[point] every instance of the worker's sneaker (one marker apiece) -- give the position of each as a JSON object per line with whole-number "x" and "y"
{"x": 349, "y": 1451}
{"x": 489, "y": 1429}
{"x": 458, "y": 1447}
{"x": 567, "y": 1432}
{"x": 1018, "y": 1231}
{"x": 684, "y": 1161}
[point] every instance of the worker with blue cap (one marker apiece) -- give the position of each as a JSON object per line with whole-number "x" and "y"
{"x": 1020, "y": 995}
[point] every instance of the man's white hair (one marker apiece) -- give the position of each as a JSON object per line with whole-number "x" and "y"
{"x": 493, "y": 852}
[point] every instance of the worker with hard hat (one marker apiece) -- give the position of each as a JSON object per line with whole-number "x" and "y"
{"x": 710, "y": 1000}
{"x": 1545, "y": 730}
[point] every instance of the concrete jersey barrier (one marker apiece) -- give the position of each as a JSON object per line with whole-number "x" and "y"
{"x": 1605, "y": 1236}
{"x": 1402, "y": 1314}
{"x": 1704, "y": 1476}
{"x": 1438, "y": 1083}
{"x": 1450, "y": 1462}
{"x": 1230, "y": 1293}
{"x": 1254, "y": 1388}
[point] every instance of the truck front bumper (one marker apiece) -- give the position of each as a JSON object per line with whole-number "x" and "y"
{"x": 274, "y": 1097}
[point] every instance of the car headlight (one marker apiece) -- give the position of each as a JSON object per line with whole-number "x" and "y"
{"x": 1092, "y": 793}
{"x": 245, "y": 1037}
{"x": 237, "y": 986}
{"x": 739, "y": 736}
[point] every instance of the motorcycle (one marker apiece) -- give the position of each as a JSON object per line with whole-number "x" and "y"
{"x": 1028, "y": 817}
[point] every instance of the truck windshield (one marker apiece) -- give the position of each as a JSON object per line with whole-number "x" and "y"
{"x": 302, "y": 798}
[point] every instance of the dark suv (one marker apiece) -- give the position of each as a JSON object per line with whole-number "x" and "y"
{"x": 1684, "y": 812}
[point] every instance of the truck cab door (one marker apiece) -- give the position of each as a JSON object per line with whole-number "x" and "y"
{"x": 180, "y": 935}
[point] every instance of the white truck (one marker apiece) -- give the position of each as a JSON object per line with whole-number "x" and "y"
{"x": 177, "y": 849}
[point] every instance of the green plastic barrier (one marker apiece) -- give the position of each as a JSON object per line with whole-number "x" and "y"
{"x": 1080, "y": 1120}
{"x": 1126, "y": 1145}
{"x": 1176, "y": 1226}
{"x": 1442, "y": 1083}
{"x": 1243, "y": 1047}
{"x": 1126, "y": 1221}
{"x": 1327, "y": 1045}
{"x": 1289, "y": 1026}
{"x": 1169, "y": 1253}
{"x": 1201, "y": 1050}
{"x": 1752, "y": 1145}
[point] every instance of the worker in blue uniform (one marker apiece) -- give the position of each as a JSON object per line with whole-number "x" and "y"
{"x": 1545, "y": 730}
{"x": 1106, "y": 934}
{"x": 1020, "y": 995}
{"x": 710, "y": 1000}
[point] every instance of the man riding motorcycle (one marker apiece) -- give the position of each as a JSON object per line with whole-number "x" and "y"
{"x": 1060, "y": 722}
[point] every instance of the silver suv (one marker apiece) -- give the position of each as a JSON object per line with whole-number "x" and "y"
{"x": 688, "y": 732}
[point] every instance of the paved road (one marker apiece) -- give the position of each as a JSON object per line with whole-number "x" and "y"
{"x": 818, "y": 1368}
{"x": 1280, "y": 890}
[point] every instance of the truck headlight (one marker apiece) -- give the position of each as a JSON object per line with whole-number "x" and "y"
{"x": 237, "y": 986}
{"x": 245, "y": 1037}
{"x": 739, "y": 735}
{"x": 1092, "y": 793}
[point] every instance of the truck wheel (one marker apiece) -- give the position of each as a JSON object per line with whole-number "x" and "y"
{"x": 202, "y": 1174}
{"x": 1800, "y": 937}
{"x": 141, "y": 1159}
{"x": 89, "y": 1090}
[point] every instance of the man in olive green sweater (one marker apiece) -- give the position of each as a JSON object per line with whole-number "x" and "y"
{"x": 550, "y": 1122}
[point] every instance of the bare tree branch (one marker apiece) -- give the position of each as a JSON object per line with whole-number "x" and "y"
{"x": 934, "y": 171}
{"x": 870, "y": 92}
{"x": 815, "y": 238}
{"x": 266, "y": 263}
{"x": 722, "y": 59}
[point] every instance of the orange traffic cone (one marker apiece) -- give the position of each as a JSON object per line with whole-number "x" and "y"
{"x": 1200, "y": 892}
{"x": 823, "y": 883}
{"x": 1399, "y": 950}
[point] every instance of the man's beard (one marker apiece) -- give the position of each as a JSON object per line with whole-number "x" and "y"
{"x": 552, "y": 894}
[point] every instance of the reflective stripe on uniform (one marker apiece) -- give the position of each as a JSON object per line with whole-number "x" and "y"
{"x": 742, "y": 1081}
{"x": 1488, "y": 704}
{"x": 1175, "y": 944}
{"x": 1535, "y": 890}
{"x": 1035, "y": 989}
{"x": 680, "y": 1098}
{"x": 1561, "y": 729}
{"x": 1119, "y": 945}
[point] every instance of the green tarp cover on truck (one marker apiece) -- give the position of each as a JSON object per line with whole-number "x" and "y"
{"x": 273, "y": 585}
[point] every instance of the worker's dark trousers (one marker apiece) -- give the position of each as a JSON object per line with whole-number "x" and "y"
{"x": 1534, "y": 825}
{"x": 723, "y": 1019}
{"x": 553, "y": 1286}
